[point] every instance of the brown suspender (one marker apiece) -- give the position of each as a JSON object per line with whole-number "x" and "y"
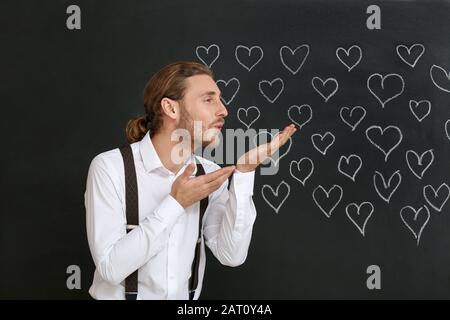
{"x": 131, "y": 197}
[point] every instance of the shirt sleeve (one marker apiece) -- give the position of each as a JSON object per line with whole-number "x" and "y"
{"x": 115, "y": 252}
{"x": 229, "y": 219}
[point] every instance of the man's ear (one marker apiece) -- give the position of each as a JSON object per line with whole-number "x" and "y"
{"x": 170, "y": 107}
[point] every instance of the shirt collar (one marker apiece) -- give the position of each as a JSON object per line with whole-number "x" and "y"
{"x": 151, "y": 159}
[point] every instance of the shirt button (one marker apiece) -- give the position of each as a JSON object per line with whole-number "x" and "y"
{"x": 171, "y": 277}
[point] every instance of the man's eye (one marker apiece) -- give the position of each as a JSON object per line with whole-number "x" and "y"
{"x": 208, "y": 100}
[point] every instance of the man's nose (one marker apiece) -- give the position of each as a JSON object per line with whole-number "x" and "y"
{"x": 222, "y": 109}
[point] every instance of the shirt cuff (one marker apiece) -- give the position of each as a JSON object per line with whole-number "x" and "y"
{"x": 169, "y": 210}
{"x": 243, "y": 182}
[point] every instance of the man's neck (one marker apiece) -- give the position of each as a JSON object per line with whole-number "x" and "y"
{"x": 164, "y": 146}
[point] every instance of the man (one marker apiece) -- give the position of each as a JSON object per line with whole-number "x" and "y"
{"x": 162, "y": 246}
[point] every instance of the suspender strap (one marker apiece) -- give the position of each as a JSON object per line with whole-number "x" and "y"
{"x": 193, "y": 283}
{"x": 132, "y": 208}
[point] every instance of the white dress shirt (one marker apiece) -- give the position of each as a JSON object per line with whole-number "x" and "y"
{"x": 162, "y": 247}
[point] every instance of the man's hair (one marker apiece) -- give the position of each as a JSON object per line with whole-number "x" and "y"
{"x": 168, "y": 82}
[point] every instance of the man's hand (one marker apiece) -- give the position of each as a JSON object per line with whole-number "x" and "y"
{"x": 253, "y": 158}
{"x": 187, "y": 190}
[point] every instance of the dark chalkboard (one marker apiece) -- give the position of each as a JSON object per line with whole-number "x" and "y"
{"x": 364, "y": 182}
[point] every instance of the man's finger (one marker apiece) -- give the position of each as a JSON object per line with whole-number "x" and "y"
{"x": 215, "y": 184}
{"x": 188, "y": 171}
{"x": 206, "y": 178}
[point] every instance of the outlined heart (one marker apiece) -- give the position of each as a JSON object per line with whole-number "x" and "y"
{"x": 359, "y": 214}
{"x": 410, "y": 55}
{"x": 301, "y": 170}
{"x": 293, "y": 60}
{"x": 440, "y": 77}
{"x": 271, "y": 196}
{"x": 300, "y": 115}
{"x": 415, "y": 220}
{"x": 322, "y": 142}
{"x": 352, "y": 117}
{"x": 385, "y": 88}
{"x": 229, "y": 89}
{"x": 350, "y": 57}
{"x": 349, "y": 166}
{"x": 386, "y": 190}
{"x": 249, "y": 119}
{"x": 420, "y": 109}
{"x": 418, "y": 165}
{"x": 248, "y": 57}
{"x": 327, "y": 88}
{"x": 327, "y": 201}
{"x": 436, "y": 198}
{"x": 208, "y": 55}
{"x": 375, "y": 134}
{"x": 271, "y": 90}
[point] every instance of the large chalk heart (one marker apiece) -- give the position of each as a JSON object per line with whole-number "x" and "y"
{"x": 276, "y": 198}
{"x": 350, "y": 57}
{"x": 248, "y": 57}
{"x": 385, "y": 88}
{"x": 293, "y": 60}
{"x": 208, "y": 55}
{"x": 410, "y": 55}
{"x": 271, "y": 90}
{"x": 359, "y": 214}
{"x": 327, "y": 201}
{"x": 415, "y": 220}
{"x": 386, "y": 139}
{"x": 386, "y": 189}
{"x": 229, "y": 89}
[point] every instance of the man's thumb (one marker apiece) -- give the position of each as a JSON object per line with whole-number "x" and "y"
{"x": 189, "y": 170}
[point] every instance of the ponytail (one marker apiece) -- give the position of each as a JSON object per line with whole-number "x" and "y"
{"x": 136, "y": 129}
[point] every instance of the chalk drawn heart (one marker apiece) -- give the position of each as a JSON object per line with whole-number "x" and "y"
{"x": 301, "y": 170}
{"x": 376, "y": 135}
{"x": 327, "y": 88}
{"x": 418, "y": 165}
{"x": 327, "y": 201}
{"x": 293, "y": 60}
{"x": 208, "y": 55}
{"x": 322, "y": 142}
{"x": 275, "y": 199}
{"x": 248, "y": 57}
{"x": 440, "y": 77}
{"x": 352, "y": 117}
{"x": 385, "y": 88}
{"x": 359, "y": 214}
{"x": 300, "y": 115}
{"x": 415, "y": 220}
{"x": 229, "y": 89}
{"x": 436, "y": 198}
{"x": 420, "y": 109}
{"x": 271, "y": 90}
{"x": 386, "y": 190}
{"x": 350, "y": 57}
{"x": 277, "y": 155}
{"x": 410, "y": 55}
{"x": 251, "y": 115}
{"x": 349, "y": 166}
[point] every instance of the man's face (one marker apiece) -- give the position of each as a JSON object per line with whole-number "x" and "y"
{"x": 202, "y": 103}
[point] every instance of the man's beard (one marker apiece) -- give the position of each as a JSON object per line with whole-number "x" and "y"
{"x": 187, "y": 123}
